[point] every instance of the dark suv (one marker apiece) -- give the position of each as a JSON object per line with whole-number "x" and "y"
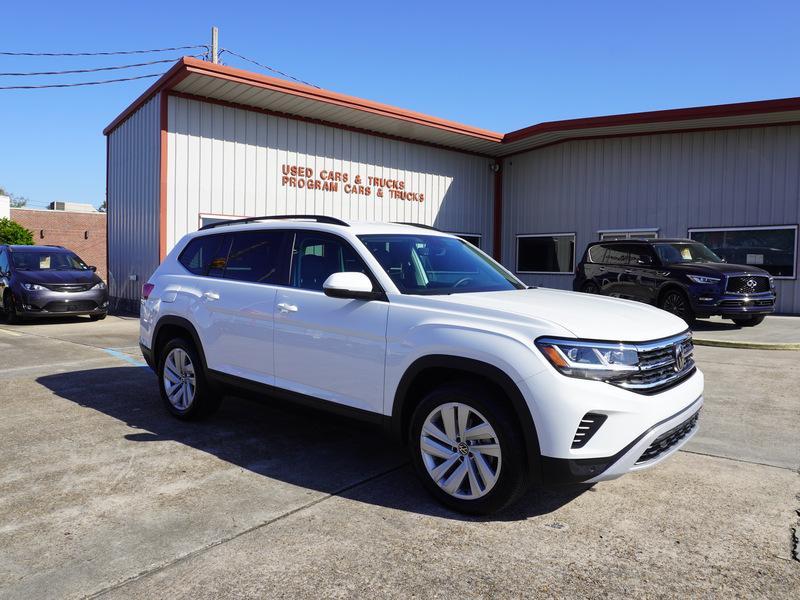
{"x": 41, "y": 281}
{"x": 681, "y": 276}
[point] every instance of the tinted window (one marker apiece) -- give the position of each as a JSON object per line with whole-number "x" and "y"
{"x": 545, "y": 254}
{"x": 317, "y": 256}
{"x": 4, "y": 266}
{"x": 206, "y": 255}
{"x": 640, "y": 254}
{"x": 597, "y": 254}
{"x": 771, "y": 249}
{"x": 616, "y": 254}
{"x": 685, "y": 252}
{"x": 255, "y": 256}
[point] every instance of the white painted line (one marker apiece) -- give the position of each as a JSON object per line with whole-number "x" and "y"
{"x": 9, "y": 332}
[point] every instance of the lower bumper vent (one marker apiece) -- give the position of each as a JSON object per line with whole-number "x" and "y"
{"x": 667, "y": 440}
{"x": 588, "y": 426}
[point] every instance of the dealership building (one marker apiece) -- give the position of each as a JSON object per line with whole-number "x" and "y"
{"x": 209, "y": 142}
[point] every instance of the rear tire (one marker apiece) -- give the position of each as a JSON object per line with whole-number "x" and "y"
{"x": 750, "y": 321}
{"x": 677, "y": 303}
{"x": 451, "y": 465}
{"x": 182, "y": 382}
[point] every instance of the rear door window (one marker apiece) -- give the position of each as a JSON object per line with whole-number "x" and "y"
{"x": 4, "y": 266}
{"x": 206, "y": 255}
{"x": 616, "y": 254}
{"x": 258, "y": 257}
{"x": 640, "y": 255}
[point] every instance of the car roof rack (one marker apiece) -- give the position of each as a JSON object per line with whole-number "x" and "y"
{"x": 316, "y": 218}
{"x": 421, "y": 225}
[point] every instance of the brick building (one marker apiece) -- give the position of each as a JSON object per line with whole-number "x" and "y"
{"x": 82, "y": 232}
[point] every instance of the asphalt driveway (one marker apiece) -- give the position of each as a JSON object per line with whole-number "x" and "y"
{"x": 104, "y": 494}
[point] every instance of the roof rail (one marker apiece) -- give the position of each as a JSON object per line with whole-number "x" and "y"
{"x": 317, "y": 218}
{"x": 420, "y": 225}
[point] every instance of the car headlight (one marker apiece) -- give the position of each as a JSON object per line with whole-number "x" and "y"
{"x": 99, "y": 286}
{"x": 772, "y": 282}
{"x": 701, "y": 279}
{"x": 590, "y": 360}
{"x": 33, "y": 287}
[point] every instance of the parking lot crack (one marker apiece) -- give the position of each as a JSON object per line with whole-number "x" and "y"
{"x": 267, "y": 523}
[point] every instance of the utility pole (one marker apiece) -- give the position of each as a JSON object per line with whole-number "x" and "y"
{"x": 214, "y": 45}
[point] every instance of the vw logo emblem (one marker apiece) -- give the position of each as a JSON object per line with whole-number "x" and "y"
{"x": 751, "y": 283}
{"x": 680, "y": 357}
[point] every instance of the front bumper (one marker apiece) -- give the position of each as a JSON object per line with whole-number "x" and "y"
{"x": 48, "y": 303}
{"x": 707, "y": 304}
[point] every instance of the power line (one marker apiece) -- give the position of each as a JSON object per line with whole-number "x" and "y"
{"x": 279, "y": 72}
{"x": 118, "y": 52}
{"x": 94, "y": 69}
{"x": 68, "y": 85}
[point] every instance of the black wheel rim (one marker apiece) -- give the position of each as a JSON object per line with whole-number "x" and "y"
{"x": 676, "y": 304}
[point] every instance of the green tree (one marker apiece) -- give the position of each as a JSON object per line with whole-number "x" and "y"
{"x": 14, "y": 233}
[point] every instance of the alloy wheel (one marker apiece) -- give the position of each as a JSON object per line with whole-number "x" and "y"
{"x": 179, "y": 378}
{"x": 460, "y": 451}
{"x": 676, "y": 304}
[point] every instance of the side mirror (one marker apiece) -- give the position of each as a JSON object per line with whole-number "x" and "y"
{"x": 352, "y": 285}
{"x": 93, "y": 268}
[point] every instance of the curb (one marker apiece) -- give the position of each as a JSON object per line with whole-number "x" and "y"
{"x": 747, "y": 345}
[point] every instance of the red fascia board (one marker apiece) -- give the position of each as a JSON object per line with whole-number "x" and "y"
{"x": 658, "y": 116}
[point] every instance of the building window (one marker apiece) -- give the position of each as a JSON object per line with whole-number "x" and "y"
{"x": 472, "y": 238}
{"x": 627, "y": 234}
{"x": 546, "y": 253}
{"x": 773, "y": 249}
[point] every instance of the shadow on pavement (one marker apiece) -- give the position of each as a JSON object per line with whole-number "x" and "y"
{"x": 296, "y": 445}
{"x": 701, "y": 326}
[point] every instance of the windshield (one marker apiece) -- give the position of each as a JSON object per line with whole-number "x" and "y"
{"x": 429, "y": 264}
{"x": 685, "y": 252}
{"x": 47, "y": 261}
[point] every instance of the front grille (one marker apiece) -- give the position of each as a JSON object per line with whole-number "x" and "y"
{"x": 662, "y": 364}
{"x": 748, "y": 284}
{"x": 667, "y": 440}
{"x": 68, "y": 287}
{"x": 61, "y": 307}
{"x": 588, "y": 426}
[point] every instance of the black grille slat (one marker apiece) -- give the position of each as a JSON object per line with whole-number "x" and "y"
{"x": 588, "y": 426}
{"x": 748, "y": 284}
{"x": 668, "y": 439}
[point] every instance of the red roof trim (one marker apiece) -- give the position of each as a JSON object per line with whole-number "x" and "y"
{"x": 188, "y": 65}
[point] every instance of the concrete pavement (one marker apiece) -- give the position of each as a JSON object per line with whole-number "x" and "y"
{"x": 104, "y": 494}
{"x": 777, "y": 332}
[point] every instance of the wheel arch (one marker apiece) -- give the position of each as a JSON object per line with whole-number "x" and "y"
{"x": 424, "y": 373}
{"x": 170, "y": 326}
{"x": 668, "y": 287}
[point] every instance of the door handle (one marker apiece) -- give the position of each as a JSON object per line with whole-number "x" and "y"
{"x": 211, "y": 295}
{"x": 286, "y": 307}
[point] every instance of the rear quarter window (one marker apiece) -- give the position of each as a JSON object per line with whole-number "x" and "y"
{"x": 204, "y": 252}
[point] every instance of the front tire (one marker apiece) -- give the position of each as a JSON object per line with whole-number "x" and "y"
{"x": 677, "y": 303}
{"x": 182, "y": 382}
{"x": 467, "y": 448}
{"x": 749, "y": 321}
{"x": 97, "y": 317}
{"x": 10, "y": 309}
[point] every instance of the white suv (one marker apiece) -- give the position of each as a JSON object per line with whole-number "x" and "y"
{"x": 494, "y": 385}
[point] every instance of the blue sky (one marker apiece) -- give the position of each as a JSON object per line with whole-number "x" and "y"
{"x": 500, "y": 66}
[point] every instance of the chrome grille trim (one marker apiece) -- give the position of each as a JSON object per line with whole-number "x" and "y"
{"x": 657, "y": 361}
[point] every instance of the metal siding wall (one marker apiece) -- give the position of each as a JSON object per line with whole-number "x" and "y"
{"x": 227, "y": 161}
{"x": 133, "y": 201}
{"x": 726, "y": 178}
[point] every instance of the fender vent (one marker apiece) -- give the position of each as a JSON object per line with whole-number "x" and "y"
{"x": 588, "y": 426}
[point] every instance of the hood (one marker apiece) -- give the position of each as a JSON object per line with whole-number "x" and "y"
{"x": 46, "y": 276}
{"x": 715, "y": 269}
{"x": 586, "y": 316}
